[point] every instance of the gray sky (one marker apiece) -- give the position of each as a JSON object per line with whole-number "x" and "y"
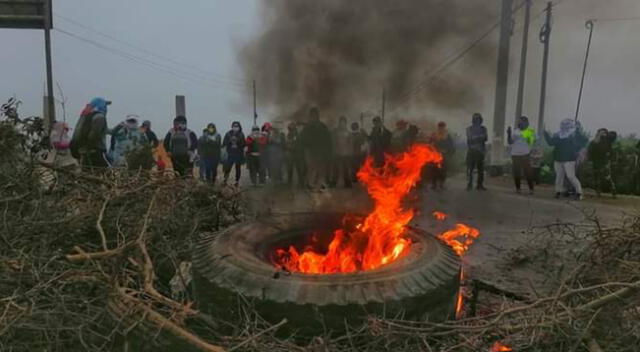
{"x": 207, "y": 33}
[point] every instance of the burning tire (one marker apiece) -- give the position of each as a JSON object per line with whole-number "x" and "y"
{"x": 236, "y": 263}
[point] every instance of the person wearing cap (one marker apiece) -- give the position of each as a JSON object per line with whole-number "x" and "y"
{"x": 234, "y": 142}
{"x": 148, "y": 132}
{"x": 181, "y": 144}
{"x": 476, "y": 139}
{"x": 88, "y": 143}
{"x": 379, "y": 141}
{"x": 209, "y": 147}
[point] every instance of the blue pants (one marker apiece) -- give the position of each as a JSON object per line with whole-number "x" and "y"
{"x": 208, "y": 168}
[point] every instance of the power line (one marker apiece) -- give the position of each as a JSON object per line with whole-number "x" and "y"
{"x": 149, "y": 63}
{"x": 616, "y": 19}
{"x": 151, "y": 53}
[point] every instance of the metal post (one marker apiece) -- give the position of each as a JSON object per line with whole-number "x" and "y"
{"x": 589, "y": 25}
{"x": 181, "y": 106}
{"x": 255, "y": 112}
{"x": 47, "y": 53}
{"x": 545, "y": 36}
{"x": 523, "y": 59}
{"x": 502, "y": 78}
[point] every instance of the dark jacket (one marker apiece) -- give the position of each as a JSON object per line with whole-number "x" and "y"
{"x": 234, "y": 143}
{"x": 316, "y": 140}
{"x": 566, "y": 149}
{"x": 193, "y": 141}
{"x": 90, "y": 134}
{"x": 294, "y": 146}
{"x": 476, "y": 138}
{"x": 379, "y": 140}
{"x": 209, "y": 146}
{"x": 152, "y": 138}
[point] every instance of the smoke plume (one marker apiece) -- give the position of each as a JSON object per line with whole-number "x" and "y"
{"x": 338, "y": 54}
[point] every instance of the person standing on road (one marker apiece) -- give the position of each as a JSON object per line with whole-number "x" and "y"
{"x": 359, "y": 149}
{"x": 476, "y": 139}
{"x": 343, "y": 155}
{"x": 316, "y": 141}
{"x": 181, "y": 144}
{"x": 209, "y": 147}
{"x": 441, "y": 139}
{"x": 521, "y": 140}
{"x": 88, "y": 143}
{"x": 294, "y": 156}
{"x": 379, "y": 142}
{"x": 566, "y": 143}
{"x": 256, "y": 144}
{"x": 600, "y": 153}
{"x": 233, "y": 143}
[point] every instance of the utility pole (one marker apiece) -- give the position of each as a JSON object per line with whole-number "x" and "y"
{"x": 51, "y": 108}
{"x": 181, "y": 106}
{"x": 383, "y": 102}
{"x": 255, "y": 112}
{"x": 589, "y": 25}
{"x": 500, "y": 105}
{"x": 523, "y": 59}
{"x": 545, "y": 36}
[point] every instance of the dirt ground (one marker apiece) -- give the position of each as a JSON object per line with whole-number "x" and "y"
{"x": 510, "y": 224}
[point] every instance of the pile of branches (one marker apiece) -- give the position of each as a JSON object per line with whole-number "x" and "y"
{"x": 91, "y": 262}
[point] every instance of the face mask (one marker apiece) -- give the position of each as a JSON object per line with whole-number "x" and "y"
{"x": 235, "y": 129}
{"x": 211, "y": 130}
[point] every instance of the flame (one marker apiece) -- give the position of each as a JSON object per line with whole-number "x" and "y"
{"x": 460, "y": 297}
{"x": 438, "y": 215}
{"x": 500, "y": 347}
{"x": 460, "y": 237}
{"x": 381, "y": 237}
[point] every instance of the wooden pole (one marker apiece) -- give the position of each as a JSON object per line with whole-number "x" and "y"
{"x": 523, "y": 59}
{"x": 502, "y": 80}
{"x": 545, "y": 36}
{"x": 255, "y": 112}
{"x": 51, "y": 108}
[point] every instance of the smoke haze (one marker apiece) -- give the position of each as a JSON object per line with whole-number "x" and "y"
{"x": 338, "y": 54}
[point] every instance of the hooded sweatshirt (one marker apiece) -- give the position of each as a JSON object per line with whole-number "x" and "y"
{"x": 91, "y": 129}
{"x": 210, "y": 143}
{"x": 477, "y": 136}
{"x": 567, "y": 142}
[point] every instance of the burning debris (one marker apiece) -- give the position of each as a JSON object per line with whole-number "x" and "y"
{"x": 381, "y": 237}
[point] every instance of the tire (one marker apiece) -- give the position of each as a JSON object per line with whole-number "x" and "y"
{"x": 230, "y": 266}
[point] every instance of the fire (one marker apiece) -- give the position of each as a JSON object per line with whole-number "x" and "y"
{"x": 460, "y": 237}
{"x": 381, "y": 237}
{"x": 438, "y": 215}
{"x": 500, "y": 347}
{"x": 460, "y": 298}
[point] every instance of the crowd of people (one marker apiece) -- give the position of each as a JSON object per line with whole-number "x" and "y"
{"x": 309, "y": 154}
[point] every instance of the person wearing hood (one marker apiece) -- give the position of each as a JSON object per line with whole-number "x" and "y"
{"x": 88, "y": 143}
{"x": 521, "y": 140}
{"x": 181, "y": 144}
{"x": 125, "y": 138}
{"x": 343, "y": 158}
{"x": 256, "y": 144}
{"x": 566, "y": 143}
{"x": 379, "y": 142}
{"x": 209, "y": 148}
{"x": 441, "y": 139}
{"x": 476, "y": 139}
{"x": 316, "y": 142}
{"x": 294, "y": 156}
{"x": 600, "y": 152}
{"x": 233, "y": 143}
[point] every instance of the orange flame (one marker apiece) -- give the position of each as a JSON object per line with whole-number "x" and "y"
{"x": 381, "y": 237}
{"x": 460, "y": 298}
{"x": 500, "y": 347}
{"x": 460, "y": 237}
{"x": 438, "y": 215}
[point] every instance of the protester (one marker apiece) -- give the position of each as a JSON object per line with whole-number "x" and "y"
{"x": 125, "y": 138}
{"x": 152, "y": 139}
{"x": 537, "y": 156}
{"x": 358, "y": 149}
{"x": 441, "y": 139}
{"x": 521, "y": 140}
{"x": 316, "y": 141}
{"x": 256, "y": 143}
{"x": 274, "y": 152}
{"x": 181, "y": 144}
{"x": 88, "y": 143}
{"x": 379, "y": 142}
{"x": 599, "y": 153}
{"x": 343, "y": 154}
{"x": 294, "y": 156}
{"x": 233, "y": 143}
{"x": 476, "y": 139}
{"x": 567, "y": 142}
{"x": 399, "y": 137}
{"x": 209, "y": 147}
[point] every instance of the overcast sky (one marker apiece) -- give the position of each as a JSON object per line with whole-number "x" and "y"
{"x": 164, "y": 48}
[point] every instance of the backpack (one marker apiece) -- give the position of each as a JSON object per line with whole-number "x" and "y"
{"x": 81, "y": 133}
{"x": 180, "y": 143}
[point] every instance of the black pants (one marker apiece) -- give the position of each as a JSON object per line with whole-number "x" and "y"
{"x": 603, "y": 177}
{"x": 295, "y": 164}
{"x": 522, "y": 165}
{"x": 256, "y": 169}
{"x": 182, "y": 165}
{"x": 475, "y": 161}
{"x": 227, "y": 170}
